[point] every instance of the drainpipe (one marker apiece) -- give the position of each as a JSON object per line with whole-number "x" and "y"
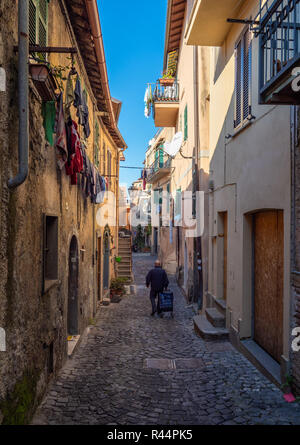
{"x": 23, "y": 53}
{"x": 197, "y": 175}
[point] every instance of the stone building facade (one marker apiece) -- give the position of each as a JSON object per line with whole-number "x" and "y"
{"x": 41, "y": 303}
{"x": 295, "y": 251}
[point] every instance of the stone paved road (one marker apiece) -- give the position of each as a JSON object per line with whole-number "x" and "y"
{"x": 107, "y": 383}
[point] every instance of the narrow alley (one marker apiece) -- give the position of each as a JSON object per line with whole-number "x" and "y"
{"x": 112, "y": 380}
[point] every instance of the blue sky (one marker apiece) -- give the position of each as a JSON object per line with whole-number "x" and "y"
{"x": 133, "y": 35}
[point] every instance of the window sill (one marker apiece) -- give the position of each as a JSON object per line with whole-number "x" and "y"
{"x": 244, "y": 125}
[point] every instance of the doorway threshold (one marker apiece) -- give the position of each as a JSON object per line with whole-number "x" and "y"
{"x": 262, "y": 360}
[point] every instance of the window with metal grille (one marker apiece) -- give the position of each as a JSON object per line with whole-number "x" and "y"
{"x": 243, "y": 66}
{"x": 185, "y": 123}
{"x": 38, "y": 22}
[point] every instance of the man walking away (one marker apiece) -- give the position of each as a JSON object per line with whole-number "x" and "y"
{"x": 158, "y": 279}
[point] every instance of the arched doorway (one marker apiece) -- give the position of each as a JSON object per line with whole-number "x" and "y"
{"x": 106, "y": 255}
{"x": 73, "y": 288}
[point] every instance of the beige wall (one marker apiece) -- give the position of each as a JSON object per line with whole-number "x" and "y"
{"x": 250, "y": 171}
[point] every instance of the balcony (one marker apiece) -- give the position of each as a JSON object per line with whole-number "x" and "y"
{"x": 158, "y": 170}
{"x": 277, "y": 26}
{"x": 166, "y": 104}
{"x": 208, "y": 24}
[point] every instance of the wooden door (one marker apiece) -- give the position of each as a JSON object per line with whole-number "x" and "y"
{"x": 99, "y": 268}
{"x": 268, "y": 282}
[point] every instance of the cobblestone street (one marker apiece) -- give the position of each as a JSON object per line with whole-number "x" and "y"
{"x": 108, "y": 380}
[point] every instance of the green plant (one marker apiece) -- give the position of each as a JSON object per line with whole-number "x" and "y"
{"x": 288, "y": 382}
{"x": 58, "y": 71}
{"x": 169, "y": 74}
{"x": 117, "y": 284}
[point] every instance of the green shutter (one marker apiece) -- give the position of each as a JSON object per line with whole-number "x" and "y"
{"x": 38, "y": 23}
{"x": 156, "y": 160}
{"x": 185, "y": 123}
{"x": 97, "y": 135}
{"x": 32, "y": 22}
{"x": 161, "y": 157}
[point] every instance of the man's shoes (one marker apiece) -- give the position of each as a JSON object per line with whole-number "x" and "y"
{"x": 153, "y": 313}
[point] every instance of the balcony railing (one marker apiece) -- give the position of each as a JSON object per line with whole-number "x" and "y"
{"x": 159, "y": 166}
{"x": 162, "y": 93}
{"x": 278, "y": 27}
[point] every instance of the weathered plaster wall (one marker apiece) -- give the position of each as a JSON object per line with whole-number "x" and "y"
{"x": 33, "y": 320}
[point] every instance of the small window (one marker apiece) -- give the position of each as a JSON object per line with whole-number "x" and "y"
{"x": 185, "y": 123}
{"x": 50, "y": 250}
{"x": 243, "y": 66}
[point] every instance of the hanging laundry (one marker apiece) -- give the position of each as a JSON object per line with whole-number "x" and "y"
{"x": 80, "y": 103}
{"x": 74, "y": 163}
{"x": 61, "y": 134}
{"x": 148, "y": 101}
{"x": 70, "y": 96}
{"x": 144, "y": 177}
{"x": 49, "y": 114}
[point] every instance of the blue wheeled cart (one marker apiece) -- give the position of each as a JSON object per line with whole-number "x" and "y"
{"x": 166, "y": 300}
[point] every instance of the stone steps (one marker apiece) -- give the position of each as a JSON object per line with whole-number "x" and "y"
{"x": 124, "y": 268}
{"x": 207, "y": 331}
{"x": 220, "y": 305}
{"x": 215, "y": 317}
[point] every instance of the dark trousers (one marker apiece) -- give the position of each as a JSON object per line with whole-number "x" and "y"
{"x": 153, "y": 295}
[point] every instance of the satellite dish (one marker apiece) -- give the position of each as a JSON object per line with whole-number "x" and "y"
{"x": 172, "y": 148}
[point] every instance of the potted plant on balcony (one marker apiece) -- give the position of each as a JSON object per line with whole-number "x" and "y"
{"x": 167, "y": 79}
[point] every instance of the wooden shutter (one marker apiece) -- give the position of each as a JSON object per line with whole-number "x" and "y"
{"x": 97, "y": 135}
{"x": 238, "y": 84}
{"x": 109, "y": 169}
{"x": 247, "y": 74}
{"x": 161, "y": 157}
{"x": 32, "y": 22}
{"x": 156, "y": 160}
{"x": 104, "y": 159}
{"x": 185, "y": 123}
{"x": 43, "y": 19}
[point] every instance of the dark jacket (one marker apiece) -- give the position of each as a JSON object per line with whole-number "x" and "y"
{"x": 157, "y": 278}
